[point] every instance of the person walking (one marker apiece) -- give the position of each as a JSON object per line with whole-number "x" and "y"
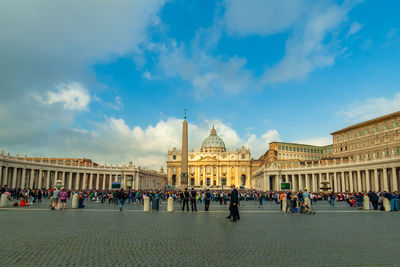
{"x": 207, "y": 199}
{"x": 122, "y": 198}
{"x": 193, "y": 203}
{"x": 56, "y": 196}
{"x": 185, "y": 200}
{"x": 233, "y": 207}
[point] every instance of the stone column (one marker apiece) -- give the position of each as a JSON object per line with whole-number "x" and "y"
{"x": 5, "y": 177}
{"x": 32, "y": 179}
{"x": 23, "y": 179}
{"x": 124, "y": 179}
{"x": 14, "y": 178}
{"x": 394, "y": 180}
{"x": 335, "y": 182}
{"x": 48, "y": 179}
{"x": 307, "y": 177}
{"x": 218, "y": 175}
{"x": 104, "y": 182}
{"x": 351, "y": 181}
{"x": 63, "y": 178}
{"x": 70, "y": 181}
{"x": 359, "y": 183}
{"x": 39, "y": 185}
{"x": 367, "y": 182}
{"x": 385, "y": 180}
{"x": 343, "y": 182}
{"x": 40, "y": 179}
{"x": 98, "y": 181}
{"x": 228, "y": 179}
{"x": 91, "y": 182}
{"x": 266, "y": 180}
{"x": 301, "y": 184}
{"x": 376, "y": 181}
{"x": 314, "y": 182}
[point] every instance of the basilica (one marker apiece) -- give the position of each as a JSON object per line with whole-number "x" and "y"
{"x": 212, "y": 166}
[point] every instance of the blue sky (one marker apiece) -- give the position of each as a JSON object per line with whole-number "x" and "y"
{"x": 110, "y": 80}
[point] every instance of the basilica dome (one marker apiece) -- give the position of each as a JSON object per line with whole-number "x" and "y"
{"x": 213, "y": 142}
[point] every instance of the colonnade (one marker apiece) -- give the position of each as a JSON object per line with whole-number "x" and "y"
{"x": 355, "y": 176}
{"x": 24, "y": 174}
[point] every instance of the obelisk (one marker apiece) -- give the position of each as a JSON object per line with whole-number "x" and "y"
{"x": 184, "y": 161}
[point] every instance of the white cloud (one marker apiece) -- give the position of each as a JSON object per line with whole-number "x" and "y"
{"x": 73, "y": 96}
{"x": 261, "y": 17}
{"x": 316, "y": 141}
{"x": 370, "y": 108}
{"x": 354, "y": 28}
{"x": 147, "y": 75}
{"x": 308, "y": 23}
{"x": 114, "y": 141}
{"x": 205, "y": 73}
{"x": 306, "y": 49}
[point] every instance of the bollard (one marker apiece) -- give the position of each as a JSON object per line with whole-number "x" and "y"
{"x": 146, "y": 206}
{"x": 366, "y": 202}
{"x": 58, "y": 205}
{"x": 4, "y": 201}
{"x": 155, "y": 204}
{"x": 170, "y": 204}
{"x": 386, "y": 204}
{"x": 75, "y": 201}
{"x": 284, "y": 204}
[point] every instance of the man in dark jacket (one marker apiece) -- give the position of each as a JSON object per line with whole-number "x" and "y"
{"x": 193, "y": 199}
{"x": 207, "y": 199}
{"x": 185, "y": 199}
{"x": 122, "y": 197}
{"x": 373, "y": 197}
{"x": 233, "y": 207}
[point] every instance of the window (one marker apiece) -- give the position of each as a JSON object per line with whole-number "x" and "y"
{"x": 224, "y": 169}
{"x": 367, "y": 131}
{"x": 359, "y": 133}
{"x": 387, "y": 152}
{"x": 378, "y": 154}
{"x": 208, "y": 169}
{"x": 395, "y": 124}
{"x": 215, "y": 170}
{"x": 192, "y": 181}
{"x": 243, "y": 169}
{"x": 243, "y": 156}
{"x": 192, "y": 169}
{"x": 208, "y": 181}
{"x": 376, "y": 129}
{"x": 279, "y": 147}
{"x": 385, "y": 127}
{"x": 397, "y": 150}
{"x": 174, "y": 157}
{"x": 173, "y": 169}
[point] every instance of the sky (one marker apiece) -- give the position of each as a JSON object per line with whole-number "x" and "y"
{"x": 109, "y": 80}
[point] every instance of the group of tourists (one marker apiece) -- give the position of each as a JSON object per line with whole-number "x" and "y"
{"x": 294, "y": 202}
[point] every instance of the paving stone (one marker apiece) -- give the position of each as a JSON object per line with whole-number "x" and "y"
{"x": 100, "y": 235}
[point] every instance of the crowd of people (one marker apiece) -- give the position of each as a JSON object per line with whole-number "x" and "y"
{"x": 293, "y": 202}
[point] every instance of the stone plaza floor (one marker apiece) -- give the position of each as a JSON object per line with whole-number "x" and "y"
{"x": 100, "y": 235}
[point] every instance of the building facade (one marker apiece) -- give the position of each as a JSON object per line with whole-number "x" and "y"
{"x": 363, "y": 157}
{"x": 33, "y": 172}
{"x": 376, "y": 138}
{"x": 212, "y": 166}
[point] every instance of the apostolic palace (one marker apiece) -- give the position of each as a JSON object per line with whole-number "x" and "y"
{"x": 362, "y": 157}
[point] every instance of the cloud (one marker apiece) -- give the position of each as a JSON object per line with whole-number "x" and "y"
{"x": 354, "y": 28}
{"x": 114, "y": 141}
{"x": 306, "y": 49}
{"x": 369, "y": 108}
{"x": 47, "y": 44}
{"x": 73, "y": 96}
{"x": 261, "y": 17}
{"x": 205, "y": 73}
{"x": 316, "y": 141}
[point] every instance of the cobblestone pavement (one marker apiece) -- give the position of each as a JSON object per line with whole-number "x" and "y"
{"x": 102, "y": 236}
